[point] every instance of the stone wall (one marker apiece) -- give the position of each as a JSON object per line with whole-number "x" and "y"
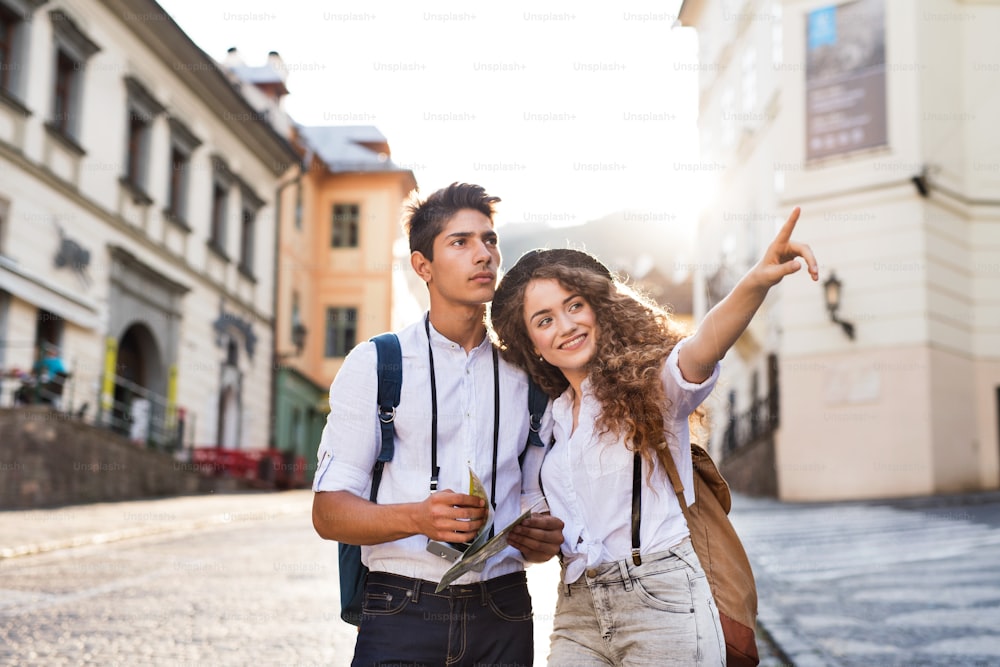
{"x": 49, "y": 459}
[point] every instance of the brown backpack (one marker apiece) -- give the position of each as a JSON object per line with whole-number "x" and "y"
{"x": 722, "y": 556}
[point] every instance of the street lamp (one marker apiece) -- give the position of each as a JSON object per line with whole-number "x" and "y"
{"x": 831, "y": 291}
{"x": 299, "y": 332}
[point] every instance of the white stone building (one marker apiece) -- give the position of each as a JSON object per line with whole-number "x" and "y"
{"x": 137, "y": 224}
{"x": 878, "y": 118}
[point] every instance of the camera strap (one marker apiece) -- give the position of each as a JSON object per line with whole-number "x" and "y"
{"x": 435, "y": 469}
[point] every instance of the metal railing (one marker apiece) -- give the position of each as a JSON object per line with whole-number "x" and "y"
{"x": 141, "y": 415}
{"x": 747, "y": 427}
{"x": 30, "y": 389}
{"x": 138, "y": 413}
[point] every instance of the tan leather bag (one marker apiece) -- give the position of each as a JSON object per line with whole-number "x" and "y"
{"x": 722, "y": 556}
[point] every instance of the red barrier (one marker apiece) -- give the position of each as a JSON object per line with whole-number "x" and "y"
{"x": 266, "y": 467}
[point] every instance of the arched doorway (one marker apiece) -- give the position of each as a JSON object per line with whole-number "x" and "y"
{"x": 139, "y": 403}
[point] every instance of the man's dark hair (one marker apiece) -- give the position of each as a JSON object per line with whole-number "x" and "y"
{"x": 424, "y": 220}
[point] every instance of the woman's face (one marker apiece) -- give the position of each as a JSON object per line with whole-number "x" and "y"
{"x": 561, "y": 325}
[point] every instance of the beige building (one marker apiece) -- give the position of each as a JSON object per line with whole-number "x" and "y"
{"x": 877, "y": 118}
{"x": 136, "y": 222}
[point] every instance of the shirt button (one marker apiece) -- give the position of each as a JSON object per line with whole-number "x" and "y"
{"x": 592, "y": 572}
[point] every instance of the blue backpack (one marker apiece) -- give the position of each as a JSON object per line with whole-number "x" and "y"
{"x": 390, "y": 380}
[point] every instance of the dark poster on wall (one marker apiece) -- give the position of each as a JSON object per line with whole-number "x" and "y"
{"x": 845, "y": 79}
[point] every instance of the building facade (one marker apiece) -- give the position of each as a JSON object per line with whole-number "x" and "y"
{"x": 338, "y": 221}
{"x": 872, "y": 116}
{"x": 136, "y": 223}
{"x": 336, "y": 270}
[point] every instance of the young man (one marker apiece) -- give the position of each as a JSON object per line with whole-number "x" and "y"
{"x": 458, "y": 393}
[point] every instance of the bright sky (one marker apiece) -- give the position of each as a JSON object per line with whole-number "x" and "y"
{"x": 567, "y": 111}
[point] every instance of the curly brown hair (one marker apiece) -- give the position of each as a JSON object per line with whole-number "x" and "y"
{"x": 635, "y": 337}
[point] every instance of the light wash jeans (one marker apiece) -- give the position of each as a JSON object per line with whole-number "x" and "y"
{"x": 658, "y": 613}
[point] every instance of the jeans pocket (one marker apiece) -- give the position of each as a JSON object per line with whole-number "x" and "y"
{"x": 666, "y": 591}
{"x": 512, "y": 603}
{"x": 384, "y": 600}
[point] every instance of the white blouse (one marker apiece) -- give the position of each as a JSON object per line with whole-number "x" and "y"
{"x": 588, "y": 479}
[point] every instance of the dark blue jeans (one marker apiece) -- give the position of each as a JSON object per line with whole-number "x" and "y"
{"x": 405, "y": 623}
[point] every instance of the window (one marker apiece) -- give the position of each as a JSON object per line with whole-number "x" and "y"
{"x": 73, "y": 49}
{"x": 138, "y": 141}
{"x": 4, "y": 210}
{"x": 142, "y": 110}
{"x": 49, "y": 328}
{"x": 9, "y": 23}
{"x": 180, "y": 163}
{"x": 62, "y": 109}
{"x": 217, "y": 236}
{"x": 341, "y": 330}
{"x": 251, "y": 203}
{"x": 182, "y": 145}
{"x": 222, "y": 179}
{"x": 296, "y": 314}
{"x": 298, "y": 206}
{"x": 15, "y": 23}
{"x": 246, "y": 240}
{"x": 11, "y": 33}
{"x": 345, "y": 226}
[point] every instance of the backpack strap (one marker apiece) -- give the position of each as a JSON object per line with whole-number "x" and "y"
{"x": 390, "y": 381}
{"x": 537, "y": 400}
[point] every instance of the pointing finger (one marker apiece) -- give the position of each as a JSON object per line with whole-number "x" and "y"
{"x": 786, "y": 230}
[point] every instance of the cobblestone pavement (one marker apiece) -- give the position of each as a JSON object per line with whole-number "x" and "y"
{"x": 247, "y": 593}
{"x": 238, "y": 579}
{"x": 878, "y": 584}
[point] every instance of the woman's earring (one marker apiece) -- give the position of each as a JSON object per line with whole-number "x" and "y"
{"x": 540, "y": 358}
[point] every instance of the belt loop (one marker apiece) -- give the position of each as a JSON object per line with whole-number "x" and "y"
{"x": 484, "y": 594}
{"x": 683, "y": 554}
{"x": 416, "y": 591}
{"x": 626, "y": 577}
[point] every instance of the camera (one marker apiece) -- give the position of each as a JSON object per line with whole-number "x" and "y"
{"x": 450, "y": 551}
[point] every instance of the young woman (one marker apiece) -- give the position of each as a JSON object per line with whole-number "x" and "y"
{"x": 624, "y": 380}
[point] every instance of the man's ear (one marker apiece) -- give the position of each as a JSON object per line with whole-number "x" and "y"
{"x": 421, "y": 265}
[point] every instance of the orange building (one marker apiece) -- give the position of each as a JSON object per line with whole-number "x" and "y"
{"x": 340, "y": 219}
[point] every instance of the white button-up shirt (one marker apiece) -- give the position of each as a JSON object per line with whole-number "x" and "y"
{"x": 352, "y": 439}
{"x": 588, "y": 478}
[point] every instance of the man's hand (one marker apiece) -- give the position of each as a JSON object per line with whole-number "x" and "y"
{"x": 447, "y": 516}
{"x": 538, "y": 537}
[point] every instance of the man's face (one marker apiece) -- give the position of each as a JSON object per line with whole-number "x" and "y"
{"x": 466, "y": 259}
